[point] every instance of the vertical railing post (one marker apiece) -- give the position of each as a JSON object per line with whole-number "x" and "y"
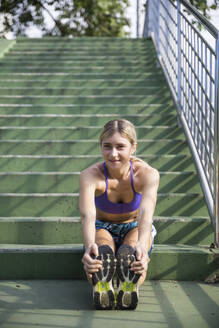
{"x": 137, "y": 19}
{"x": 146, "y": 29}
{"x": 216, "y": 144}
{"x": 179, "y": 60}
{"x": 158, "y": 34}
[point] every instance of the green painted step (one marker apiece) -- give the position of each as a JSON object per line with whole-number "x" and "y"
{"x": 172, "y": 262}
{"x": 87, "y": 46}
{"x": 67, "y": 163}
{"x": 88, "y": 49}
{"x": 74, "y": 47}
{"x": 65, "y": 75}
{"x": 6, "y": 46}
{"x": 68, "y": 91}
{"x": 66, "y": 204}
{"x": 62, "y": 182}
{"x": 108, "y": 40}
{"x": 77, "y": 70}
{"x": 79, "y": 84}
{"x": 66, "y": 132}
{"x": 56, "y": 230}
{"x": 87, "y": 43}
{"x": 76, "y": 62}
{"x": 92, "y": 47}
{"x": 90, "y": 99}
{"x": 126, "y": 59}
{"x": 80, "y": 120}
{"x": 184, "y": 230}
{"x": 122, "y": 110}
{"x": 87, "y": 147}
{"x": 92, "y": 50}
{"x": 101, "y": 59}
{"x": 96, "y": 64}
{"x": 49, "y": 303}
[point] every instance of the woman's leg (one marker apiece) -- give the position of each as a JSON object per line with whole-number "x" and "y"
{"x": 127, "y": 291}
{"x": 103, "y": 292}
{"x": 103, "y": 237}
{"x": 131, "y": 239}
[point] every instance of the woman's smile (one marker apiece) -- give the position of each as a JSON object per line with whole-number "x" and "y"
{"x": 116, "y": 149}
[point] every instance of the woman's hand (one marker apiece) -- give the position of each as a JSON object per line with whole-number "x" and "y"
{"x": 91, "y": 264}
{"x": 141, "y": 265}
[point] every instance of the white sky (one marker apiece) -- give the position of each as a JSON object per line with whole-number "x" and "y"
{"x": 131, "y": 13}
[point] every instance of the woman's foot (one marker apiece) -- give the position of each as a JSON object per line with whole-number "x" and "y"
{"x": 103, "y": 292}
{"x": 127, "y": 288}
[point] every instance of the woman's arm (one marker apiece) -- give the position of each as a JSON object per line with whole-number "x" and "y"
{"x": 150, "y": 180}
{"x": 87, "y": 208}
{"x": 88, "y": 217}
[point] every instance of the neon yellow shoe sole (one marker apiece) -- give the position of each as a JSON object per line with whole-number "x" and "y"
{"x": 103, "y": 292}
{"x": 127, "y": 291}
{"x": 103, "y": 296}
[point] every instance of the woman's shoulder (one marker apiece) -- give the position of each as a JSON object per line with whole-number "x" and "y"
{"x": 140, "y": 164}
{"x": 94, "y": 171}
{"x": 143, "y": 170}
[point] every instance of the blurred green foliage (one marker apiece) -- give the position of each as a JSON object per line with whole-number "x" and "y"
{"x": 69, "y": 17}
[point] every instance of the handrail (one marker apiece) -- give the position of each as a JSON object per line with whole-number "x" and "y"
{"x": 191, "y": 67}
{"x": 202, "y": 19}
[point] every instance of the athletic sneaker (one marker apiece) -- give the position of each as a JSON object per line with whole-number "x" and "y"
{"x": 127, "y": 288}
{"x": 103, "y": 291}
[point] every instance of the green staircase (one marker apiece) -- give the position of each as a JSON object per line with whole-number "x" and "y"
{"x": 55, "y": 95}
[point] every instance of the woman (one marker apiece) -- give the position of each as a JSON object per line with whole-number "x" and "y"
{"x": 117, "y": 202}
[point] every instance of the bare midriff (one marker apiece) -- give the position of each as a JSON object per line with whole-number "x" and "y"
{"x": 117, "y": 218}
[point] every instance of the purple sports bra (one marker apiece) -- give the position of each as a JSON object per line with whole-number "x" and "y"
{"x": 104, "y": 204}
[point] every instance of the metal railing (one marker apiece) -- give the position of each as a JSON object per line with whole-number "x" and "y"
{"x": 191, "y": 67}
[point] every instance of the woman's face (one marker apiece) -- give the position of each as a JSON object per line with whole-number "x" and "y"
{"x": 117, "y": 150}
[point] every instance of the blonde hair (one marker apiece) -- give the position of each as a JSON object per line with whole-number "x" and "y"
{"x": 124, "y": 127}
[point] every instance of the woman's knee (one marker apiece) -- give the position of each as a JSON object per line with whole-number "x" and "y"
{"x": 103, "y": 237}
{"x": 131, "y": 237}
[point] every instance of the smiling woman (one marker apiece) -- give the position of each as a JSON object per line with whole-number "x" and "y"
{"x": 117, "y": 202}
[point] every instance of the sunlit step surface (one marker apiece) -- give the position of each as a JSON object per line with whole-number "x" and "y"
{"x": 67, "y": 230}
{"x": 168, "y": 262}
